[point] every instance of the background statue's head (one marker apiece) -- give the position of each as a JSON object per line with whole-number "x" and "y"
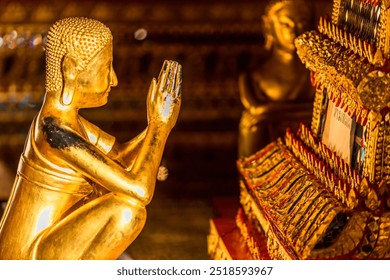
{"x": 284, "y": 20}
{"x": 76, "y": 37}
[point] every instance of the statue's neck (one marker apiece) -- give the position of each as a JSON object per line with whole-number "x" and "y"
{"x": 52, "y": 106}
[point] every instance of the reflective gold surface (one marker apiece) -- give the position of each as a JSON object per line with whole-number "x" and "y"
{"x": 212, "y": 41}
{"x": 322, "y": 193}
{"x": 360, "y": 26}
{"x": 361, "y": 87}
{"x": 274, "y": 87}
{"x": 79, "y": 194}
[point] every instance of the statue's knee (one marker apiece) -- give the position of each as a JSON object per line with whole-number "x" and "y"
{"x": 132, "y": 218}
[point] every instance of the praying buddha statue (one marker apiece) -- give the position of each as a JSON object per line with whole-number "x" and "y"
{"x": 277, "y": 91}
{"x": 78, "y": 193}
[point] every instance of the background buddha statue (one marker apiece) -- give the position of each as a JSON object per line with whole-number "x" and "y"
{"x": 78, "y": 193}
{"x": 276, "y": 93}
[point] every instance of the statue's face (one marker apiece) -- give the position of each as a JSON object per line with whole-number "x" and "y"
{"x": 95, "y": 82}
{"x": 287, "y": 23}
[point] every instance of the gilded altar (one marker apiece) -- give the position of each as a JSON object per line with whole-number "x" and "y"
{"x": 321, "y": 192}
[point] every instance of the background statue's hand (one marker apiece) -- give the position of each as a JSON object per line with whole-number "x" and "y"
{"x": 164, "y": 97}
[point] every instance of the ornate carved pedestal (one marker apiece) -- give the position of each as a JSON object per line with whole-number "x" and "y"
{"x": 321, "y": 192}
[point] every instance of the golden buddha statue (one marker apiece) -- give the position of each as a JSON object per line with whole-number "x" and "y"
{"x": 279, "y": 88}
{"x": 78, "y": 193}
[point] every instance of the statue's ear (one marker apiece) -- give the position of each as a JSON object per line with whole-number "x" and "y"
{"x": 70, "y": 71}
{"x": 267, "y": 32}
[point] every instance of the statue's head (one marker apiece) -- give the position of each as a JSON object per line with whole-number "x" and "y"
{"x": 284, "y": 20}
{"x": 72, "y": 45}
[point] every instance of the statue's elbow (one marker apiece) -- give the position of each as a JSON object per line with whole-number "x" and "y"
{"x": 146, "y": 195}
{"x": 145, "y": 200}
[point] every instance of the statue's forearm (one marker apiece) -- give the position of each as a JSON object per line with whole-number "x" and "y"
{"x": 126, "y": 153}
{"x": 148, "y": 160}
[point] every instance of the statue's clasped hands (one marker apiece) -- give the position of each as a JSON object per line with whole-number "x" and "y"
{"x": 164, "y": 97}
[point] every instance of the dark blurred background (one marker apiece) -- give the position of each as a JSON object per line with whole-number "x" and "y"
{"x": 213, "y": 40}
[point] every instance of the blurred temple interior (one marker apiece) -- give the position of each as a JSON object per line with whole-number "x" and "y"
{"x": 215, "y": 41}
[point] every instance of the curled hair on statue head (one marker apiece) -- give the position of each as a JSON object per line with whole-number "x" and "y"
{"x": 78, "y": 38}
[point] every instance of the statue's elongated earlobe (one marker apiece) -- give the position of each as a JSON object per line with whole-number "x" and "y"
{"x": 69, "y": 74}
{"x": 67, "y": 94}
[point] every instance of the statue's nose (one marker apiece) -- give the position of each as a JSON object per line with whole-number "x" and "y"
{"x": 114, "y": 78}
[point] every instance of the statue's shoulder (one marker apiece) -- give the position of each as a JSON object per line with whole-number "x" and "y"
{"x": 250, "y": 92}
{"x": 56, "y": 133}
